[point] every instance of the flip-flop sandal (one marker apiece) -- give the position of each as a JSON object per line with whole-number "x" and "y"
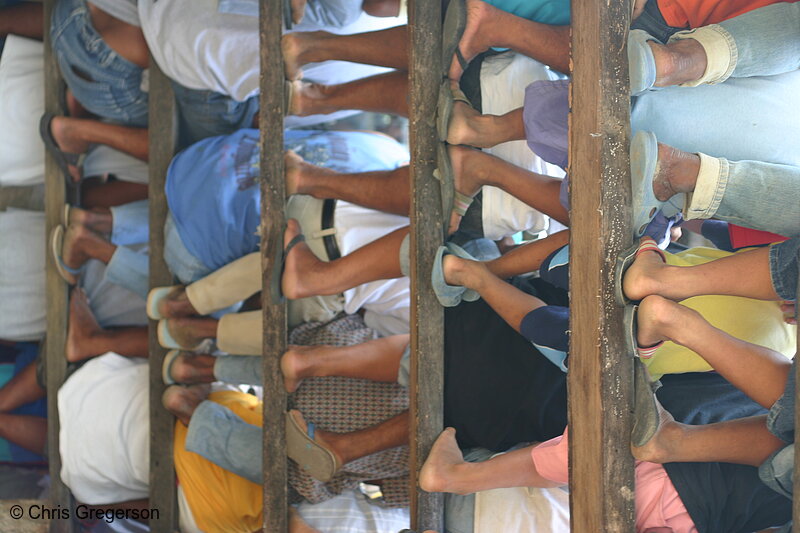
{"x": 641, "y": 62}
{"x": 626, "y": 259}
{"x": 288, "y": 92}
{"x": 65, "y": 215}
{"x": 452, "y": 200}
{"x": 631, "y": 330}
{"x": 166, "y": 367}
{"x": 310, "y": 455}
{"x": 166, "y": 340}
{"x": 155, "y": 297}
{"x": 444, "y": 109}
{"x": 277, "y": 272}
{"x": 62, "y": 159}
{"x": 56, "y": 245}
{"x": 645, "y": 411}
{"x": 448, "y": 295}
{"x": 644, "y": 165}
{"x": 455, "y": 21}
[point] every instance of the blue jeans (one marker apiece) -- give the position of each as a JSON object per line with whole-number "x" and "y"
{"x": 776, "y": 472}
{"x": 209, "y": 114}
{"x": 784, "y": 266}
{"x": 129, "y": 268}
{"x": 103, "y": 82}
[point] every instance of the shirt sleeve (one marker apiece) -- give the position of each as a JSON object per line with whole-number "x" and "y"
{"x": 551, "y": 459}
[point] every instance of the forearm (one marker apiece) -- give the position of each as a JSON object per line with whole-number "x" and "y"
{"x": 528, "y": 257}
{"x": 26, "y": 20}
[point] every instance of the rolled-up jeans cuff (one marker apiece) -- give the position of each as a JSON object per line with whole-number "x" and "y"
{"x": 784, "y": 263}
{"x": 219, "y": 435}
{"x": 236, "y": 369}
{"x": 712, "y": 180}
{"x": 230, "y": 284}
{"x": 778, "y": 470}
{"x": 130, "y": 223}
{"x": 721, "y": 53}
{"x": 405, "y": 262}
{"x": 129, "y": 269}
{"x": 241, "y": 333}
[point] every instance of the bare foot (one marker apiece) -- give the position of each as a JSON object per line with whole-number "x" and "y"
{"x": 465, "y": 126}
{"x": 191, "y": 368}
{"x": 298, "y": 10}
{"x": 440, "y": 471}
{"x": 476, "y": 37}
{"x": 82, "y": 328}
{"x": 66, "y": 135}
{"x": 678, "y": 62}
{"x": 298, "y": 49}
{"x": 461, "y": 272}
{"x": 659, "y": 449}
{"x": 177, "y": 305}
{"x": 294, "y": 366}
{"x": 182, "y": 401}
{"x": 308, "y": 99}
{"x": 191, "y": 332}
{"x": 301, "y": 271}
{"x": 468, "y": 172}
{"x": 638, "y": 8}
{"x": 643, "y": 277}
{"x": 654, "y": 312}
{"x": 98, "y": 219}
{"x": 293, "y": 165}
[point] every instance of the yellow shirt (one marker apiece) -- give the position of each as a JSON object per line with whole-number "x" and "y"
{"x": 756, "y": 321}
{"x": 220, "y": 500}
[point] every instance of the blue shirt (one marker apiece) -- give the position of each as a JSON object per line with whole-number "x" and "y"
{"x": 213, "y": 188}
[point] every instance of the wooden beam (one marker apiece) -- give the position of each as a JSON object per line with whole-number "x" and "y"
{"x": 273, "y": 194}
{"x": 427, "y": 316}
{"x": 600, "y": 376}
{"x": 796, "y": 479}
{"x": 57, "y": 296}
{"x": 162, "y": 135}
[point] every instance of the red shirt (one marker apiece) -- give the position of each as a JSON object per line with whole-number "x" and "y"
{"x": 696, "y": 13}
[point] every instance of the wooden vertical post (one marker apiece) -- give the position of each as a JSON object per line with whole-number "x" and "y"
{"x": 162, "y": 134}
{"x": 600, "y": 375}
{"x": 57, "y": 297}
{"x": 427, "y": 316}
{"x": 796, "y": 479}
{"x": 273, "y": 194}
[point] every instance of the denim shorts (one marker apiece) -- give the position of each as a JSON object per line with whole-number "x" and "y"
{"x": 206, "y": 113}
{"x": 776, "y": 472}
{"x": 105, "y": 83}
{"x": 652, "y": 21}
{"x": 784, "y": 267}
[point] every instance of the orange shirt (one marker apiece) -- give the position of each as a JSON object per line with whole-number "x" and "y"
{"x": 696, "y": 13}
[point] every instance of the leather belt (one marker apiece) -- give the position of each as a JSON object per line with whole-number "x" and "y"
{"x": 329, "y": 240}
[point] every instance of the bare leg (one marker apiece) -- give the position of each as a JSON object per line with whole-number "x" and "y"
{"x": 383, "y": 93}
{"x": 21, "y": 389}
{"x": 297, "y": 524}
{"x": 383, "y": 190}
{"x": 95, "y": 193}
{"x": 743, "y": 274}
{"x": 508, "y": 301}
{"x": 125, "y": 39}
{"x": 488, "y": 26}
{"x": 376, "y": 360}
{"x": 82, "y": 244}
{"x": 382, "y": 8}
{"x": 26, "y": 20}
{"x": 528, "y": 257}
{"x": 75, "y": 135}
{"x": 446, "y": 471}
{"x": 469, "y": 127}
{"x": 351, "y": 446}
{"x": 98, "y": 220}
{"x": 681, "y": 61}
{"x": 757, "y": 371}
{"x": 29, "y": 432}
{"x": 304, "y": 275}
{"x": 741, "y": 441}
{"x": 177, "y": 305}
{"x": 86, "y": 339}
{"x": 383, "y": 48}
{"x": 474, "y": 169}
{"x": 676, "y": 172}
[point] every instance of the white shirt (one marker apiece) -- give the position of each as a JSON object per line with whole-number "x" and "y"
{"x": 105, "y": 430}
{"x": 124, "y": 10}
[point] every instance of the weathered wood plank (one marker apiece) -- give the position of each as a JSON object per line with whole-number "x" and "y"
{"x": 162, "y": 131}
{"x": 427, "y": 316}
{"x": 57, "y": 296}
{"x": 796, "y": 479}
{"x": 600, "y": 374}
{"x": 273, "y": 196}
